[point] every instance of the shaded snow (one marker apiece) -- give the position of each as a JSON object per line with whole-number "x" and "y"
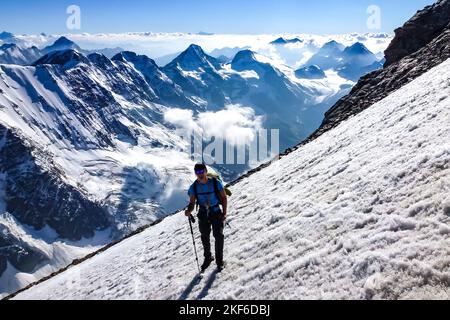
{"x": 2, "y": 193}
{"x": 2, "y": 179}
{"x": 57, "y": 251}
{"x": 361, "y": 212}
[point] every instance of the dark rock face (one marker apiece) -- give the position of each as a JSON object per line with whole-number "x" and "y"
{"x": 37, "y": 195}
{"x": 420, "y": 30}
{"x": 20, "y": 255}
{"x": 3, "y": 262}
{"x": 63, "y": 57}
{"x": 398, "y": 71}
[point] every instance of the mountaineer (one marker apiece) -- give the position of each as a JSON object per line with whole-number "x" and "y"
{"x": 208, "y": 193}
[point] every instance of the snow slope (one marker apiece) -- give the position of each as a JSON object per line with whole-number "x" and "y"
{"x": 361, "y": 212}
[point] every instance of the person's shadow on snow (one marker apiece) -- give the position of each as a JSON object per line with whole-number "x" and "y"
{"x": 207, "y": 286}
{"x": 189, "y": 288}
{"x": 195, "y": 282}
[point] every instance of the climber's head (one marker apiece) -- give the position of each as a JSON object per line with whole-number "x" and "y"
{"x": 201, "y": 171}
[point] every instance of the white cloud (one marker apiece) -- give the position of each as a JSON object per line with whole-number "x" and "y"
{"x": 182, "y": 119}
{"x": 235, "y": 124}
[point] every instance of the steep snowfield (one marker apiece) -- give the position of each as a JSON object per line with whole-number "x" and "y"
{"x": 361, "y": 212}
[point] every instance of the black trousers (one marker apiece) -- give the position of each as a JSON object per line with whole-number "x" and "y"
{"x": 214, "y": 221}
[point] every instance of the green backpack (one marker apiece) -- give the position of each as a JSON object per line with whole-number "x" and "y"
{"x": 219, "y": 178}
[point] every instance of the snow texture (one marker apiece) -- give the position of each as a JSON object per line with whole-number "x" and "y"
{"x": 363, "y": 212}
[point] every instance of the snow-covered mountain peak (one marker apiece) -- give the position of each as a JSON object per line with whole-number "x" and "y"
{"x": 332, "y": 46}
{"x": 311, "y": 72}
{"x": 66, "y": 58}
{"x": 195, "y": 50}
{"x": 262, "y": 65}
{"x": 357, "y": 49}
{"x": 283, "y": 41}
{"x": 11, "y": 53}
{"x": 62, "y": 43}
{"x": 134, "y": 58}
{"x": 356, "y": 58}
{"x": 244, "y": 56}
{"x": 6, "y": 36}
{"x": 350, "y": 62}
{"x": 194, "y": 59}
{"x": 11, "y": 50}
{"x": 329, "y": 56}
{"x": 9, "y": 46}
{"x": 247, "y": 60}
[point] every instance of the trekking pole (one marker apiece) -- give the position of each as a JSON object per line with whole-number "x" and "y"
{"x": 192, "y": 220}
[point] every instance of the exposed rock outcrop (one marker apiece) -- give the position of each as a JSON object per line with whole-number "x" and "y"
{"x": 420, "y": 30}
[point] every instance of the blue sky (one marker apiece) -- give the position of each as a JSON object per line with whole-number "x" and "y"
{"x": 216, "y": 16}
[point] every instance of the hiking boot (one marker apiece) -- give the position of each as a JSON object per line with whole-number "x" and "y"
{"x": 220, "y": 266}
{"x": 207, "y": 263}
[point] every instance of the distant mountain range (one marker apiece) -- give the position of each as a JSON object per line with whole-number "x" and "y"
{"x": 283, "y": 41}
{"x": 350, "y": 62}
{"x": 11, "y": 53}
